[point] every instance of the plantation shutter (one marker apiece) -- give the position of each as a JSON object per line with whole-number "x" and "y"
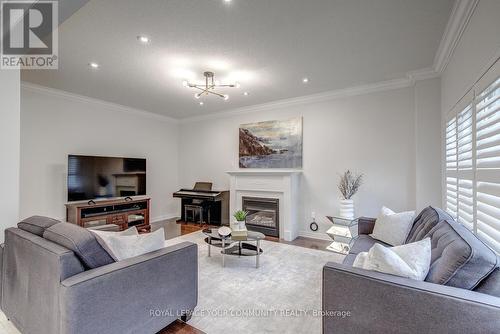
{"x": 451, "y": 168}
{"x": 488, "y": 164}
{"x": 465, "y": 174}
{"x": 472, "y": 159}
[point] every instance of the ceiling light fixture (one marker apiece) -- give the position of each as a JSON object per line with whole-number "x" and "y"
{"x": 94, "y": 65}
{"x": 246, "y": 93}
{"x": 227, "y": 1}
{"x": 305, "y": 80}
{"x": 201, "y": 103}
{"x": 210, "y": 86}
{"x": 144, "y": 39}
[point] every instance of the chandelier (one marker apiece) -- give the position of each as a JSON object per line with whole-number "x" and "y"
{"x": 209, "y": 87}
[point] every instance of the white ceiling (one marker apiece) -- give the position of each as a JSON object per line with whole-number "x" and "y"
{"x": 266, "y": 45}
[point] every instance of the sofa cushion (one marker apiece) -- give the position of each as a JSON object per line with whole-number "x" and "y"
{"x": 491, "y": 284}
{"x": 425, "y": 221}
{"x": 81, "y": 241}
{"x": 37, "y": 224}
{"x": 363, "y": 244}
{"x": 459, "y": 258}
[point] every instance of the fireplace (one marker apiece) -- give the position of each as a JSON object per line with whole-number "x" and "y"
{"x": 263, "y": 215}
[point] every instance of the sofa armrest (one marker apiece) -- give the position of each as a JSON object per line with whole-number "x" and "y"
{"x": 146, "y": 293}
{"x": 366, "y": 225}
{"x": 381, "y": 303}
{"x": 1, "y": 273}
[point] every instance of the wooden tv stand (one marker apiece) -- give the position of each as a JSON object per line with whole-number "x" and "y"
{"x": 124, "y": 212}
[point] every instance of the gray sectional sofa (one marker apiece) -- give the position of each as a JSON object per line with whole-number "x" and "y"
{"x": 55, "y": 279}
{"x": 461, "y": 293}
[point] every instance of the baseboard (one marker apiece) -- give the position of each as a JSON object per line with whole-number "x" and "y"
{"x": 315, "y": 235}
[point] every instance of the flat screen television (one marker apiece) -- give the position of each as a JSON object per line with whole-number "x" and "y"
{"x": 93, "y": 177}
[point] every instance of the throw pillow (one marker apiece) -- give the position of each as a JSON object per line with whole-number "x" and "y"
{"x": 122, "y": 247}
{"x": 100, "y": 235}
{"x": 37, "y": 224}
{"x": 81, "y": 242}
{"x": 393, "y": 228}
{"x": 411, "y": 260}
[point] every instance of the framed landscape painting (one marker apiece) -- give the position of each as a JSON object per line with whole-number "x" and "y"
{"x": 271, "y": 144}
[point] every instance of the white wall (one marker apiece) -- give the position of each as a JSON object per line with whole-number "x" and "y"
{"x": 9, "y": 148}
{"x": 478, "y": 46}
{"x": 374, "y": 134}
{"x": 55, "y": 125}
{"x": 427, "y": 143}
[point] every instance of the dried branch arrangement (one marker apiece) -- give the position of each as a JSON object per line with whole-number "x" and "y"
{"x": 349, "y": 184}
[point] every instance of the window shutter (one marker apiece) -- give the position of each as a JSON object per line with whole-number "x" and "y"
{"x": 488, "y": 165}
{"x": 451, "y": 168}
{"x": 464, "y": 167}
{"x": 472, "y": 157}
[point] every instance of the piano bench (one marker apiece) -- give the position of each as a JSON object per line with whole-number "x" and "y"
{"x": 194, "y": 209}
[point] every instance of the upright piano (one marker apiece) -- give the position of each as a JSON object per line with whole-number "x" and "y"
{"x": 215, "y": 204}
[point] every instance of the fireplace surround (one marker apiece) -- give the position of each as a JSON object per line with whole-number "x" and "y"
{"x": 281, "y": 185}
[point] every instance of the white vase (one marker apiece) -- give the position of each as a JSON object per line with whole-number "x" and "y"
{"x": 241, "y": 224}
{"x": 347, "y": 208}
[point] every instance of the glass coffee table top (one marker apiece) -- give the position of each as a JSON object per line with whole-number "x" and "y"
{"x": 214, "y": 234}
{"x": 235, "y": 246}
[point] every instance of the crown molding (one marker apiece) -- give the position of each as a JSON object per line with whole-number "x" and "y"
{"x": 307, "y": 99}
{"x": 457, "y": 23}
{"x": 407, "y": 81}
{"x": 422, "y": 74}
{"x": 89, "y": 100}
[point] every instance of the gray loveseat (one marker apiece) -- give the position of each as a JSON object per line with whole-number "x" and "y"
{"x": 461, "y": 293}
{"x": 50, "y": 288}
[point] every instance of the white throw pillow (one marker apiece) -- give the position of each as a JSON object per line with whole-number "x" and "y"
{"x": 393, "y": 228}
{"x": 100, "y": 235}
{"x": 411, "y": 260}
{"x": 121, "y": 247}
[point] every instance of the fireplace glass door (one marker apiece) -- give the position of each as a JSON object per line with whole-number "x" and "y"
{"x": 263, "y": 215}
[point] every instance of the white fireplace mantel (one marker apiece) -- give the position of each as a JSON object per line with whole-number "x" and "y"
{"x": 265, "y": 172}
{"x": 279, "y": 184}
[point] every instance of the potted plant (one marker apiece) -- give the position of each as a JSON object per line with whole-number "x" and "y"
{"x": 349, "y": 185}
{"x": 240, "y": 217}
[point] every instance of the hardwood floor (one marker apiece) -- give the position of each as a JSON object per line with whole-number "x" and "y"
{"x": 174, "y": 229}
{"x": 180, "y": 327}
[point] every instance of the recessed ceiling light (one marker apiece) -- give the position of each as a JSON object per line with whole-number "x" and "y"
{"x": 226, "y": 97}
{"x": 143, "y": 39}
{"x": 94, "y": 65}
{"x": 201, "y": 103}
{"x": 246, "y": 93}
{"x": 305, "y": 80}
{"x": 227, "y": 1}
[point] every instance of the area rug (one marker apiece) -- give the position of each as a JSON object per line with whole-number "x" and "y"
{"x": 283, "y": 295}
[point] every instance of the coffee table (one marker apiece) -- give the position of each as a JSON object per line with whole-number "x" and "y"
{"x": 237, "y": 246}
